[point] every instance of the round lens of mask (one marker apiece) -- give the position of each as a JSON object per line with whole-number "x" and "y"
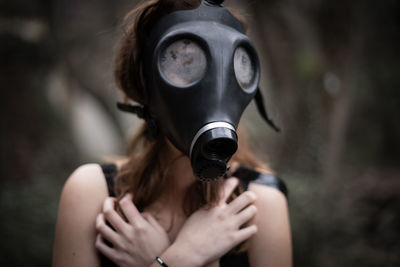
{"x": 183, "y": 62}
{"x": 244, "y": 68}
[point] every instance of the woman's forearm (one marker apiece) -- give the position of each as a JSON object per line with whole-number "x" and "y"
{"x": 177, "y": 255}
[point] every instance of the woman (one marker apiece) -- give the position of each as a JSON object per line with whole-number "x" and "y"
{"x": 164, "y": 212}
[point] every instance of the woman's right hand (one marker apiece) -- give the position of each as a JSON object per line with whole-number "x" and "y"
{"x": 135, "y": 242}
{"x": 209, "y": 233}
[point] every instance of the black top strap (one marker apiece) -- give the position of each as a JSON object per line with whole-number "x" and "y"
{"x": 110, "y": 171}
{"x": 247, "y": 175}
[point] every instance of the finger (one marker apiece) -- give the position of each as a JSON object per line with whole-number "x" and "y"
{"x": 246, "y": 215}
{"x": 152, "y": 221}
{"x": 227, "y": 188}
{"x": 244, "y": 234}
{"x": 112, "y": 216}
{"x": 107, "y": 251}
{"x": 105, "y": 230}
{"x": 130, "y": 210}
{"x": 241, "y": 202}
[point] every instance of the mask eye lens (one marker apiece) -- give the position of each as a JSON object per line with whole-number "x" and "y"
{"x": 244, "y": 67}
{"x": 183, "y": 62}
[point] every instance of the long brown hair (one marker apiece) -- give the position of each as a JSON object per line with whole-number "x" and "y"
{"x": 145, "y": 174}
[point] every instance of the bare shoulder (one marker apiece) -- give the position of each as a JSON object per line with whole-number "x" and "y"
{"x": 87, "y": 180}
{"x": 85, "y": 189}
{"x": 80, "y": 202}
{"x": 271, "y": 246}
{"x": 269, "y": 197}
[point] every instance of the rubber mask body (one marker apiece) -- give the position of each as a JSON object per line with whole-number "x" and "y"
{"x": 202, "y": 71}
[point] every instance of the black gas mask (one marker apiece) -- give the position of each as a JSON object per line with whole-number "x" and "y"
{"x": 201, "y": 71}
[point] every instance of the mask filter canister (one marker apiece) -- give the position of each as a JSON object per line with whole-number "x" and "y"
{"x": 212, "y": 148}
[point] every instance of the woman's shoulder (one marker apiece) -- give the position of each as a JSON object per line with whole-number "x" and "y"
{"x": 85, "y": 190}
{"x": 80, "y": 202}
{"x": 271, "y": 201}
{"x": 271, "y": 246}
{"x": 87, "y": 181}
{"x": 268, "y": 196}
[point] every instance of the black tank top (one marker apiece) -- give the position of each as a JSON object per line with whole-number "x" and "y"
{"x": 245, "y": 175}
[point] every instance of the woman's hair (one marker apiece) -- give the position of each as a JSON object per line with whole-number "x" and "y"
{"x": 145, "y": 175}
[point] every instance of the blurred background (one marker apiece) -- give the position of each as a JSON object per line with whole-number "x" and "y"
{"x": 330, "y": 80}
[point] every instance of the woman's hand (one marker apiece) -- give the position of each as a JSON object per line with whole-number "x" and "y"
{"x": 210, "y": 233}
{"x": 134, "y": 243}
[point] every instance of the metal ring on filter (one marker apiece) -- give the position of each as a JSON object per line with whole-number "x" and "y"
{"x": 208, "y": 127}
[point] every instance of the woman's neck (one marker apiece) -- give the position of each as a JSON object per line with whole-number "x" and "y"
{"x": 180, "y": 174}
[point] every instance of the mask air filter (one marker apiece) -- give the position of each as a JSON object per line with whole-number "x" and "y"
{"x": 213, "y": 146}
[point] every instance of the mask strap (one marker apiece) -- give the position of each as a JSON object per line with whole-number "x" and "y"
{"x": 261, "y": 109}
{"x": 142, "y": 113}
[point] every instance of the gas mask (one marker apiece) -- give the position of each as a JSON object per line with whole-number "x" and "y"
{"x": 201, "y": 72}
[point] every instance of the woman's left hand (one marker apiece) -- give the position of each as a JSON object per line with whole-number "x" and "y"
{"x": 134, "y": 243}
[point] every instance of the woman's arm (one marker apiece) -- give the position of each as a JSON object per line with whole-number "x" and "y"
{"x": 271, "y": 246}
{"x": 205, "y": 236}
{"x": 81, "y": 200}
{"x": 208, "y": 234}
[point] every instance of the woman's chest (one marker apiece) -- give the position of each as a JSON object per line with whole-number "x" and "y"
{"x": 170, "y": 220}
